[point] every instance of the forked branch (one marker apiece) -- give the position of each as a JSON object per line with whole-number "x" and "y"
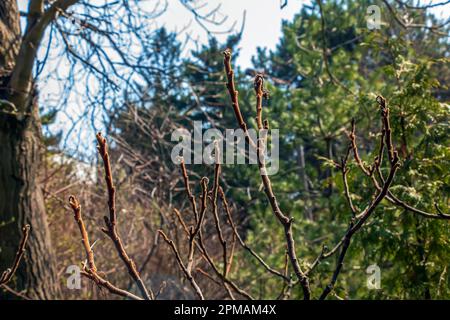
{"x": 90, "y": 270}
{"x": 282, "y": 218}
{"x": 357, "y": 223}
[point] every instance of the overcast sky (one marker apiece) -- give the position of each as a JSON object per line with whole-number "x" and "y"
{"x": 262, "y": 24}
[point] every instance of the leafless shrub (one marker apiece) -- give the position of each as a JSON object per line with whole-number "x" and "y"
{"x": 191, "y": 250}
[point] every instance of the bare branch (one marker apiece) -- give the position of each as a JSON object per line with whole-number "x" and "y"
{"x": 283, "y": 219}
{"x": 111, "y": 228}
{"x": 185, "y": 270}
{"x": 355, "y": 226}
{"x": 90, "y": 270}
{"x": 9, "y": 273}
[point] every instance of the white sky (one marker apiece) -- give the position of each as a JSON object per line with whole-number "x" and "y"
{"x": 262, "y": 23}
{"x": 262, "y": 27}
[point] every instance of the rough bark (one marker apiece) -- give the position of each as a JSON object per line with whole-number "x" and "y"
{"x": 21, "y": 202}
{"x": 9, "y": 35}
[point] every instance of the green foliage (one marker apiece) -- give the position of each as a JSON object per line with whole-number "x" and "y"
{"x": 314, "y": 108}
{"x": 319, "y": 79}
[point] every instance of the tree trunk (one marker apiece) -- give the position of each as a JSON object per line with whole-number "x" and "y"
{"x": 9, "y": 35}
{"x": 22, "y": 202}
{"x": 21, "y": 199}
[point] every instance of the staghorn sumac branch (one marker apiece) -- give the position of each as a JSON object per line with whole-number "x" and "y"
{"x": 383, "y": 192}
{"x": 386, "y": 140}
{"x": 282, "y": 218}
{"x": 358, "y": 219}
{"x": 357, "y": 223}
{"x": 90, "y": 270}
{"x": 111, "y": 228}
{"x": 196, "y": 239}
{"x": 111, "y": 231}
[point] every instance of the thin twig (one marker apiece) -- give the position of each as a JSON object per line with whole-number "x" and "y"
{"x": 344, "y": 170}
{"x": 9, "y": 273}
{"x": 90, "y": 270}
{"x": 111, "y": 228}
{"x": 283, "y": 219}
{"x": 188, "y": 189}
{"x": 215, "y": 210}
{"x": 242, "y": 242}
{"x": 185, "y": 270}
{"x": 355, "y": 226}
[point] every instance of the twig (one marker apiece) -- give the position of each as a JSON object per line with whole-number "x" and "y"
{"x": 215, "y": 210}
{"x": 188, "y": 189}
{"x": 355, "y": 226}
{"x": 217, "y": 271}
{"x": 192, "y": 231}
{"x": 234, "y": 95}
{"x": 352, "y": 137}
{"x": 111, "y": 229}
{"x": 185, "y": 270}
{"x": 283, "y": 219}
{"x": 207, "y": 275}
{"x": 9, "y": 273}
{"x": 109, "y": 286}
{"x": 201, "y": 247}
{"x": 195, "y": 230}
{"x": 326, "y": 52}
{"x": 90, "y": 270}
{"x": 242, "y": 242}
{"x": 14, "y": 292}
{"x": 161, "y": 289}
{"x": 285, "y": 291}
{"x": 344, "y": 170}
{"x": 407, "y": 25}
{"x": 75, "y": 205}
